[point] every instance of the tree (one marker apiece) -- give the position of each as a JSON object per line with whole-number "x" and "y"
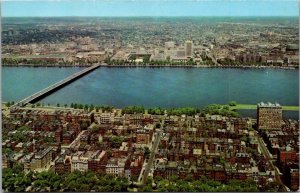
{"x": 7, "y": 151}
{"x": 216, "y": 109}
{"x": 146, "y": 188}
{"x": 156, "y": 111}
{"x": 24, "y": 128}
{"x": 95, "y": 128}
{"x": 116, "y": 141}
{"x": 244, "y": 138}
{"x": 189, "y": 178}
{"x": 232, "y": 103}
{"x": 157, "y": 125}
{"x": 226, "y": 107}
{"x": 58, "y": 105}
{"x": 172, "y": 188}
{"x": 14, "y": 179}
{"x": 49, "y": 140}
{"x": 133, "y": 109}
{"x": 146, "y": 152}
{"x": 84, "y": 124}
{"x": 92, "y": 107}
{"x": 173, "y": 178}
{"x": 158, "y": 179}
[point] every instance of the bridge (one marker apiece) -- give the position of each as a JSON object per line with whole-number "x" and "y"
{"x": 50, "y": 89}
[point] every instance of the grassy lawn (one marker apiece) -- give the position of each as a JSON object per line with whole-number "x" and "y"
{"x": 243, "y": 106}
{"x": 248, "y": 106}
{"x": 290, "y": 108}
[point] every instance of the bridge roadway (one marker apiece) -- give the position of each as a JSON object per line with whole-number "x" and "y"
{"x": 53, "y": 87}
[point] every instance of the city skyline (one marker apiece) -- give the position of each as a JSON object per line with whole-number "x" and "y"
{"x": 154, "y": 8}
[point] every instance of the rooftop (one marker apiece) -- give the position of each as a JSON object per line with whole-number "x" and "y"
{"x": 262, "y": 104}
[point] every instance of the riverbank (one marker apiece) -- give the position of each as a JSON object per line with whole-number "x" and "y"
{"x": 251, "y": 107}
{"x": 47, "y": 65}
{"x": 153, "y": 66}
{"x": 236, "y": 107}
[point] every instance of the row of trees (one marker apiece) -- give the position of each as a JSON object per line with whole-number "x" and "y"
{"x": 133, "y": 109}
{"x": 75, "y": 106}
{"x": 174, "y": 184}
{"x": 206, "y": 60}
{"x": 8, "y": 104}
{"x": 15, "y": 61}
{"x": 239, "y": 63}
{"x": 188, "y": 184}
{"x": 213, "y": 109}
{"x": 151, "y": 62}
{"x": 224, "y": 110}
{"x": 229, "y": 62}
{"x": 156, "y": 111}
{"x": 92, "y": 107}
{"x": 44, "y": 62}
{"x": 15, "y": 180}
{"x": 161, "y": 111}
{"x": 185, "y": 110}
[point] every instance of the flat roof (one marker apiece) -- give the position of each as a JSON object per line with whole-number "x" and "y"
{"x": 268, "y": 104}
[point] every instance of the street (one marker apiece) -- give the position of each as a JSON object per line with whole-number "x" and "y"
{"x": 265, "y": 151}
{"x": 157, "y": 136}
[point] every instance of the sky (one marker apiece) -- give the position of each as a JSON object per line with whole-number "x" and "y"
{"x": 49, "y": 8}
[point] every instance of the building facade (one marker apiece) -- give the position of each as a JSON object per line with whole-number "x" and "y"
{"x": 188, "y": 49}
{"x": 269, "y": 116}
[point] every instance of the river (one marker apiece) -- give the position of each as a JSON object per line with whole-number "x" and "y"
{"x": 151, "y": 87}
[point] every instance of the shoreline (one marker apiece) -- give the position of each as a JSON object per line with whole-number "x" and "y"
{"x": 241, "y": 113}
{"x": 153, "y": 66}
{"x": 236, "y": 107}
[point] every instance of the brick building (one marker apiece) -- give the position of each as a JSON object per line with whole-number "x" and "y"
{"x": 269, "y": 116}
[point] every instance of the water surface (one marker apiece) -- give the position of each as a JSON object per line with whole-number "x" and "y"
{"x": 151, "y": 87}
{"x": 20, "y": 82}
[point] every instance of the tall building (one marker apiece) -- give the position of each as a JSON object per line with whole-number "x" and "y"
{"x": 42, "y": 159}
{"x": 269, "y": 116}
{"x": 188, "y": 49}
{"x": 169, "y": 45}
{"x": 180, "y": 53}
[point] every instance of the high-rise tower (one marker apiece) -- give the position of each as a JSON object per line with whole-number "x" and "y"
{"x": 188, "y": 49}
